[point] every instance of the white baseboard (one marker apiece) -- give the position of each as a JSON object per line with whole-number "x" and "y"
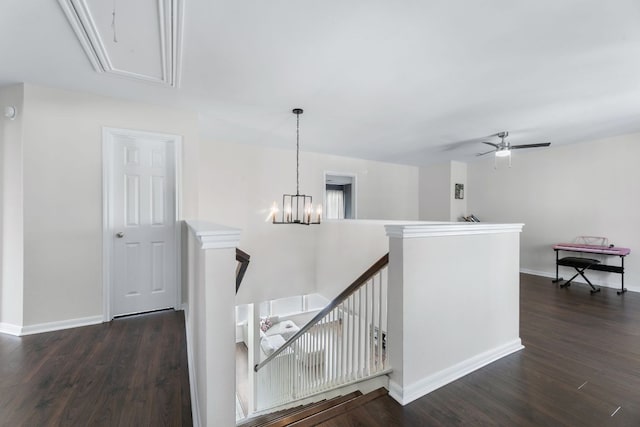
{"x": 8, "y": 328}
{"x": 195, "y": 412}
{"x": 395, "y": 391}
{"x": 60, "y": 325}
{"x": 604, "y": 284}
{"x": 434, "y": 381}
{"x": 538, "y": 273}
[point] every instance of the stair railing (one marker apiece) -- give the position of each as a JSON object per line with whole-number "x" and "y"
{"x": 343, "y": 344}
{"x": 243, "y": 262}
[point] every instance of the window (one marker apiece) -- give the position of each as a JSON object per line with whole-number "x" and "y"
{"x": 340, "y": 196}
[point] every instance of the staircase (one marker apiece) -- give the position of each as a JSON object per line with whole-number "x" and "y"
{"x": 314, "y": 413}
{"x": 345, "y": 343}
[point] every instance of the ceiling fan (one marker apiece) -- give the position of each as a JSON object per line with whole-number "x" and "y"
{"x": 503, "y": 149}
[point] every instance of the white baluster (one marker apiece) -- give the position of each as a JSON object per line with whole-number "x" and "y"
{"x": 380, "y": 365}
{"x": 340, "y": 348}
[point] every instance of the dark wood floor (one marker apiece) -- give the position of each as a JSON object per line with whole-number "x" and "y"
{"x": 580, "y": 367}
{"x": 581, "y": 364}
{"x": 129, "y": 372}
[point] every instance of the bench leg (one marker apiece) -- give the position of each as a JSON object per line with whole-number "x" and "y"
{"x": 557, "y": 279}
{"x": 593, "y": 288}
{"x": 580, "y": 272}
{"x": 568, "y": 282}
{"x": 622, "y": 288}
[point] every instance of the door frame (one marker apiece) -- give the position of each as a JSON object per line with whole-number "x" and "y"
{"x": 108, "y": 135}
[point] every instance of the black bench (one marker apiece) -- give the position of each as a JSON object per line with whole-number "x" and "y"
{"x": 581, "y": 264}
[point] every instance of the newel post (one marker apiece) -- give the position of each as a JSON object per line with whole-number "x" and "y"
{"x": 211, "y": 321}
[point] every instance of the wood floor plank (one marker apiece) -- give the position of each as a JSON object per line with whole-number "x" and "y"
{"x": 580, "y": 366}
{"x": 131, "y": 371}
{"x": 570, "y": 337}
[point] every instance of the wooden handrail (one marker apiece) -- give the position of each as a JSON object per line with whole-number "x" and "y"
{"x": 243, "y": 258}
{"x": 364, "y": 278}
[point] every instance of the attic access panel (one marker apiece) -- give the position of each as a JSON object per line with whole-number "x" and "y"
{"x": 134, "y": 39}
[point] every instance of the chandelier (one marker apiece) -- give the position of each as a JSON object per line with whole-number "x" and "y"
{"x": 296, "y": 208}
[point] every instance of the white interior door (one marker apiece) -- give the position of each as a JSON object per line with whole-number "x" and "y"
{"x": 142, "y": 227}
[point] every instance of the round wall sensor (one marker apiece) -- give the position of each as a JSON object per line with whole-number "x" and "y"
{"x": 10, "y": 112}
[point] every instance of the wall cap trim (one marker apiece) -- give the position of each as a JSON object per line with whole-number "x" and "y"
{"x": 413, "y": 231}
{"x": 214, "y": 236}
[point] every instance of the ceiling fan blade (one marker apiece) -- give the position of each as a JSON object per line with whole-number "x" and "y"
{"x": 488, "y": 152}
{"x": 542, "y": 144}
{"x": 491, "y": 144}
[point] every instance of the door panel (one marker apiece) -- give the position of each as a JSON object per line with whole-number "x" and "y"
{"x": 143, "y": 214}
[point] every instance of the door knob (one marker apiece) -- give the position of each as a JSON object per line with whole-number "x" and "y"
{"x": 120, "y": 235}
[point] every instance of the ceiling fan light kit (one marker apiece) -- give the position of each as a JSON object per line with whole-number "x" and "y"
{"x": 503, "y": 149}
{"x": 503, "y": 153}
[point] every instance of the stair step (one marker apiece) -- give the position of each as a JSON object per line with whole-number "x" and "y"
{"x": 262, "y": 420}
{"x": 312, "y": 409}
{"x": 314, "y": 413}
{"x": 291, "y": 415}
{"x": 339, "y": 409}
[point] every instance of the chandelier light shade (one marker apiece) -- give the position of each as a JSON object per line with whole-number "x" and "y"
{"x": 296, "y": 208}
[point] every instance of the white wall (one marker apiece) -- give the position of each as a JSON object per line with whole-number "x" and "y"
{"x": 3, "y": 156}
{"x": 590, "y": 188}
{"x": 63, "y": 193}
{"x": 238, "y": 184}
{"x": 453, "y": 302}
{"x": 437, "y": 189}
{"x": 434, "y": 192}
{"x": 11, "y": 211}
{"x": 361, "y": 244}
{"x": 61, "y": 166}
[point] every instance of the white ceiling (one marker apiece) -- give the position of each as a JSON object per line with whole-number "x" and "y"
{"x": 402, "y": 81}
